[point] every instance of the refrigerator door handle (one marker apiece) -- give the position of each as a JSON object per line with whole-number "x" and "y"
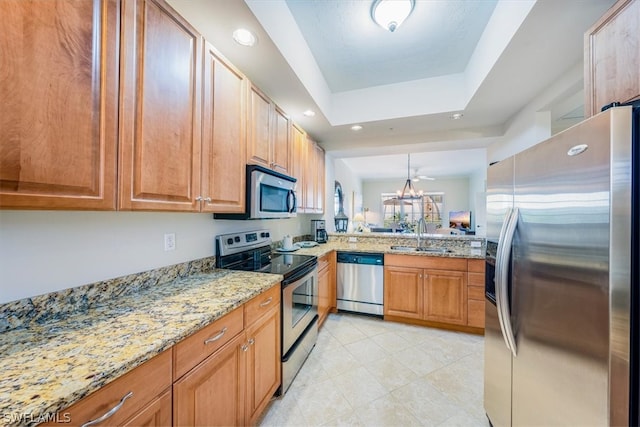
{"x": 502, "y": 279}
{"x": 500, "y": 299}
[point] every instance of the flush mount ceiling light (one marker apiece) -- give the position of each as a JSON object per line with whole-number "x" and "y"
{"x": 356, "y": 128}
{"x": 456, "y": 116}
{"x": 244, "y": 37}
{"x": 390, "y": 14}
{"x": 309, "y": 113}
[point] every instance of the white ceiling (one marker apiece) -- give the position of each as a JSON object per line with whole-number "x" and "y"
{"x": 484, "y": 58}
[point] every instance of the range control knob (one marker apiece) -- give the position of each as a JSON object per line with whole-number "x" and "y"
{"x": 229, "y": 241}
{"x": 264, "y": 234}
{"x": 237, "y": 239}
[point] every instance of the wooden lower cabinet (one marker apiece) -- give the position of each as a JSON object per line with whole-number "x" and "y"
{"x": 142, "y": 396}
{"x": 234, "y": 385}
{"x": 432, "y": 291}
{"x": 212, "y": 394}
{"x": 326, "y": 286}
{"x": 475, "y": 293}
{"x": 263, "y": 364}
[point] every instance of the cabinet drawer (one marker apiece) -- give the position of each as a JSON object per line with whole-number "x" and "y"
{"x": 475, "y": 313}
{"x": 258, "y": 306}
{"x": 197, "y": 347}
{"x": 476, "y": 279}
{"x": 422, "y": 261}
{"x": 476, "y": 265}
{"x": 476, "y": 293}
{"x": 143, "y": 384}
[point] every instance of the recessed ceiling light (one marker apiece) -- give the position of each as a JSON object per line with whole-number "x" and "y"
{"x": 456, "y": 116}
{"x": 356, "y": 128}
{"x": 309, "y": 113}
{"x": 244, "y": 37}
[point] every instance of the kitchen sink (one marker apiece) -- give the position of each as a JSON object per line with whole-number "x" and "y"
{"x": 415, "y": 249}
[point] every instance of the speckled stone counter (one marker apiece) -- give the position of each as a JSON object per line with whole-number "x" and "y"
{"x": 47, "y": 367}
{"x": 460, "y": 246}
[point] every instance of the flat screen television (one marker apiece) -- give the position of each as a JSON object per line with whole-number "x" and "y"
{"x": 460, "y": 220}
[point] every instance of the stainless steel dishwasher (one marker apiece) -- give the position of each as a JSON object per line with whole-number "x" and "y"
{"x": 360, "y": 282}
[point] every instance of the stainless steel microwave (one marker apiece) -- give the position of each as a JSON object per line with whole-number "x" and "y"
{"x": 269, "y": 195}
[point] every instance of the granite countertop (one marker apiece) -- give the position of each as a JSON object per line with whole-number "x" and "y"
{"x": 382, "y": 244}
{"x": 46, "y": 368}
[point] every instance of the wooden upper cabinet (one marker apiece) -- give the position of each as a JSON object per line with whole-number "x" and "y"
{"x": 160, "y": 109}
{"x": 320, "y": 187}
{"x": 611, "y": 57}
{"x": 298, "y": 165}
{"x": 259, "y": 128}
{"x": 58, "y": 115}
{"x": 281, "y": 147}
{"x": 310, "y": 176}
{"x": 223, "y": 135}
{"x": 269, "y": 133}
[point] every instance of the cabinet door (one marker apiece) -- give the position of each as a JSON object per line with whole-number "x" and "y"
{"x": 155, "y": 414}
{"x": 160, "y": 109}
{"x": 324, "y": 293}
{"x": 58, "y": 115}
{"x": 299, "y": 158}
{"x": 445, "y": 298}
{"x": 224, "y": 137}
{"x": 213, "y": 393}
{"x": 263, "y": 363}
{"x": 612, "y": 55}
{"x": 310, "y": 176}
{"x": 319, "y": 164}
{"x": 403, "y": 292}
{"x": 259, "y": 128}
{"x": 281, "y": 142}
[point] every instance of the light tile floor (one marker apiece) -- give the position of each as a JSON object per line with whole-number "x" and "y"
{"x": 367, "y": 372}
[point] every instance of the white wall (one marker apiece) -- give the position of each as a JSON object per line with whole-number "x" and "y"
{"x": 350, "y": 184}
{"x": 456, "y": 195}
{"x": 46, "y": 251}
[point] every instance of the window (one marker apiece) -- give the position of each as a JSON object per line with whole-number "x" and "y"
{"x": 404, "y": 214}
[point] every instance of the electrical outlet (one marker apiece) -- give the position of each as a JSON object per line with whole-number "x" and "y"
{"x": 476, "y": 244}
{"x": 170, "y": 242}
{"x": 476, "y": 252}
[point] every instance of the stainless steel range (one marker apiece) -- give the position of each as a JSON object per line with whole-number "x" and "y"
{"x": 251, "y": 251}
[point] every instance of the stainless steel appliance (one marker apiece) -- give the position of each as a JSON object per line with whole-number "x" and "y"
{"x": 318, "y": 230}
{"x": 561, "y": 338}
{"x": 251, "y": 251}
{"x": 360, "y": 282}
{"x": 268, "y": 195}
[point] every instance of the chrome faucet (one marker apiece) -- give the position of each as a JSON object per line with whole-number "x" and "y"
{"x": 419, "y": 227}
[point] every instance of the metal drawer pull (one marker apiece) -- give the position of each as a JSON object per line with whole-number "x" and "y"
{"x": 244, "y": 347}
{"x": 252, "y": 341}
{"x": 110, "y": 412}
{"x": 217, "y": 337}
{"x": 266, "y": 302}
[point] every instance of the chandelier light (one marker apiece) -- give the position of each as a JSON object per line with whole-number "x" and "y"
{"x": 390, "y": 14}
{"x": 408, "y": 192}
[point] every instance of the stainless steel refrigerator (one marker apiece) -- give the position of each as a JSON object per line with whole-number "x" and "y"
{"x": 561, "y": 337}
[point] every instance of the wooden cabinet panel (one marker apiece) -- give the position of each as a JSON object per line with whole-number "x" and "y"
{"x": 156, "y": 414}
{"x": 197, "y": 347}
{"x": 476, "y": 292}
{"x": 213, "y": 393}
{"x": 476, "y": 279}
{"x": 403, "y": 292}
{"x": 310, "y": 176}
{"x": 476, "y": 265}
{"x": 259, "y": 128}
{"x": 445, "y": 296}
{"x": 160, "y": 141}
{"x": 429, "y": 262}
{"x": 475, "y": 313}
{"x": 282, "y": 146}
{"x": 298, "y": 165}
{"x": 326, "y": 286}
{"x": 144, "y": 384}
{"x": 612, "y": 55}
{"x": 320, "y": 184}
{"x": 58, "y": 115}
{"x": 263, "y": 363}
{"x": 223, "y": 135}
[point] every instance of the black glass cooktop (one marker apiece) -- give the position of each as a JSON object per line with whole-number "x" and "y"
{"x": 262, "y": 260}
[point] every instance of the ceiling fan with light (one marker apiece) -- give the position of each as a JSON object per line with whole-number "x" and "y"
{"x": 417, "y": 176}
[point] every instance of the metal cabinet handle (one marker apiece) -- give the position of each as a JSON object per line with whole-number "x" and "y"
{"x": 207, "y": 200}
{"x": 217, "y": 337}
{"x": 110, "y": 412}
{"x": 199, "y": 199}
{"x": 244, "y": 347}
{"x": 252, "y": 341}
{"x": 266, "y": 302}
